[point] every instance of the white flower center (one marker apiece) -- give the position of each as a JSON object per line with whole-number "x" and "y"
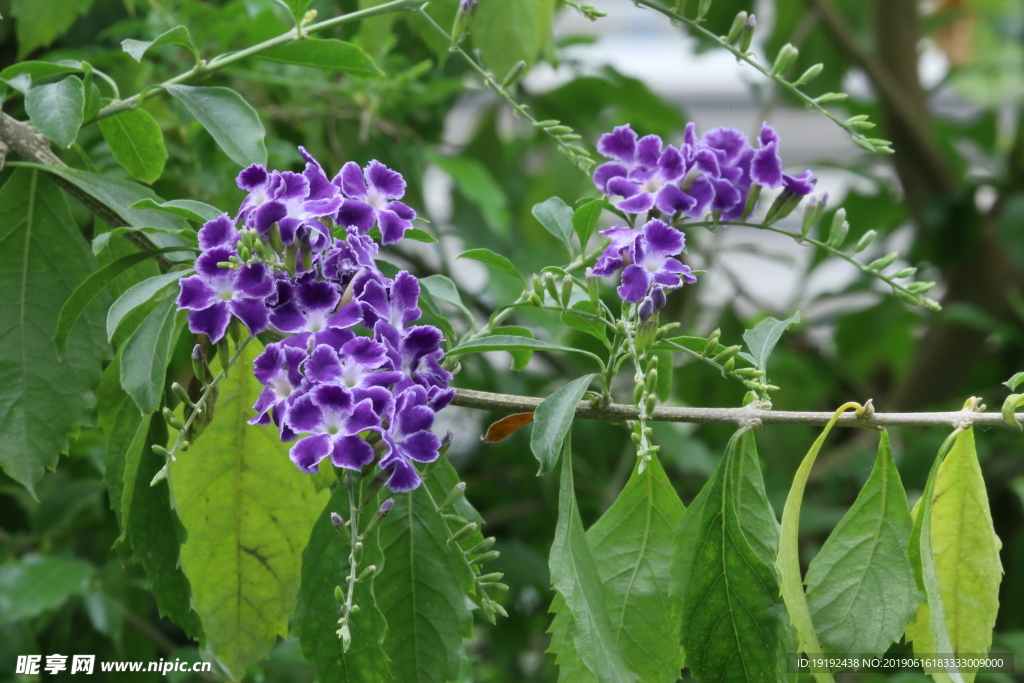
{"x": 376, "y": 200}
{"x": 654, "y": 263}
{"x": 282, "y": 388}
{"x": 351, "y": 375}
{"x": 652, "y": 185}
{"x": 315, "y": 321}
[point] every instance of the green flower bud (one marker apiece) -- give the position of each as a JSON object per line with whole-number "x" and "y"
{"x": 810, "y": 74}
{"x": 339, "y": 595}
{"x": 752, "y": 196}
{"x": 864, "y": 242}
{"x": 457, "y": 492}
{"x": 737, "y": 25}
{"x": 567, "y": 284}
{"x": 514, "y": 74}
{"x": 482, "y": 547}
{"x": 341, "y": 526}
{"x": 906, "y": 272}
{"x": 463, "y": 20}
{"x": 884, "y": 262}
{"x": 787, "y": 55}
{"x": 463, "y": 532}
{"x": 550, "y": 286}
{"x": 702, "y": 9}
{"x": 747, "y": 34}
{"x": 486, "y": 557}
{"x": 172, "y": 419}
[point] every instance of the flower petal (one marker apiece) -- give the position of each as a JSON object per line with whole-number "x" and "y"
{"x": 638, "y": 203}
{"x": 421, "y": 446}
{"x": 323, "y": 364}
{"x": 220, "y": 232}
{"x": 253, "y": 313}
{"x": 392, "y": 227}
{"x": 252, "y": 178}
{"x": 356, "y": 214}
{"x": 662, "y": 240}
{"x": 211, "y": 321}
{"x": 351, "y": 452}
{"x": 404, "y": 477}
{"x": 635, "y": 283}
{"x": 619, "y": 144}
{"x": 195, "y": 294}
{"x": 648, "y": 150}
{"x": 309, "y": 451}
{"x": 388, "y": 183}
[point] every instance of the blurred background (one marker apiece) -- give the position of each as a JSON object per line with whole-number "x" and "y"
{"x": 945, "y": 80}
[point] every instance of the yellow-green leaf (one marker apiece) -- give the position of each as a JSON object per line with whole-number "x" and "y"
{"x": 965, "y": 549}
{"x": 788, "y": 561}
{"x": 248, "y": 511}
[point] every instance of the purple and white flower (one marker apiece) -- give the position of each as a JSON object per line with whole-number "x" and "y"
{"x": 278, "y": 370}
{"x": 408, "y": 439}
{"x": 371, "y": 196}
{"x": 333, "y": 421}
{"x": 214, "y": 294}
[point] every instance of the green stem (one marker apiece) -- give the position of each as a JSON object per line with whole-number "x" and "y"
{"x": 473, "y": 569}
{"x": 578, "y": 155}
{"x": 846, "y": 256}
{"x": 810, "y": 102}
{"x": 204, "y": 69}
{"x": 353, "y": 562}
{"x": 198, "y": 408}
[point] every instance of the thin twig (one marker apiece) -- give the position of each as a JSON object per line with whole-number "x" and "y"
{"x": 506, "y": 403}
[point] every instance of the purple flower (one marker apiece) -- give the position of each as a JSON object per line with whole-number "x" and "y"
{"x": 370, "y": 196}
{"x": 612, "y": 258}
{"x": 408, "y": 438}
{"x": 415, "y": 351}
{"x": 293, "y": 201}
{"x": 214, "y": 294}
{"x": 652, "y": 263}
{"x": 333, "y": 420}
{"x": 277, "y": 369}
{"x": 349, "y": 257}
{"x": 359, "y": 365}
{"x": 308, "y": 305}
{"x": 766, "y": 166}
{"x": 398, "y": 304}
{"x": 644, "y": 174}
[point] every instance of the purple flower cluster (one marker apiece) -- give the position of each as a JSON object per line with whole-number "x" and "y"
{"x": 646, "y": 257}
{"x": 355, "y": 381}
{"x": 713, "y": 173}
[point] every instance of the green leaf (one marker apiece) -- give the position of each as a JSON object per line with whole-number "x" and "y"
{"x": 475, "y": 182}
{"x": 490, "y": 258}
{"x": 87, "y": 291}
{"x": 420, "y": 235}
{"x": 508, "y": 31}
{"x": 552, "y": 420}
{"x": 119, "y": 194}
{"x": 330, "y": 54}
{"x": 556, "y": 217}
{"x": 40, "y": 22}
{"x": 632, "y": 546}
{"x": 964, "y": 548}
{"x": 36, "y": 583}
{"x": 761, "y": 340}
{"x": 248, "y": 512}
{"x": 441, "y": 287}
{"x": 232, "y": 121}
{"x": 57, "y": 109}
{"x": 325, "y": 564}
{"x": 1010, "y": 409}
{"x": 588, "y": 640}
{"x": 590, "y": 324}
{"x": 584, "y": 220}
{"x": 732, "y": 612}
{"x": 520, "y": 358}
{"x": 1014, "y": 381}
{"x": 40, "y": 70}
{"x": 138, "y": 295}
{"x": 865, "y": 558}
{"x": 146, "y": 354}
{"x": 508, "y": 343}
{"x": 189, "y": 209}
{"x": 788, "y": 561}
{"x": 42, "y": 399}
{"x": 665, "y": 375}
{"x": 178, "y": 35}
{"x": 137, "y": 143}
{"x": 156, "y": 535}
{"x": 126, "y": 439}
{"x": 297, "y": 7}
{"x": 423, "y": 590}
